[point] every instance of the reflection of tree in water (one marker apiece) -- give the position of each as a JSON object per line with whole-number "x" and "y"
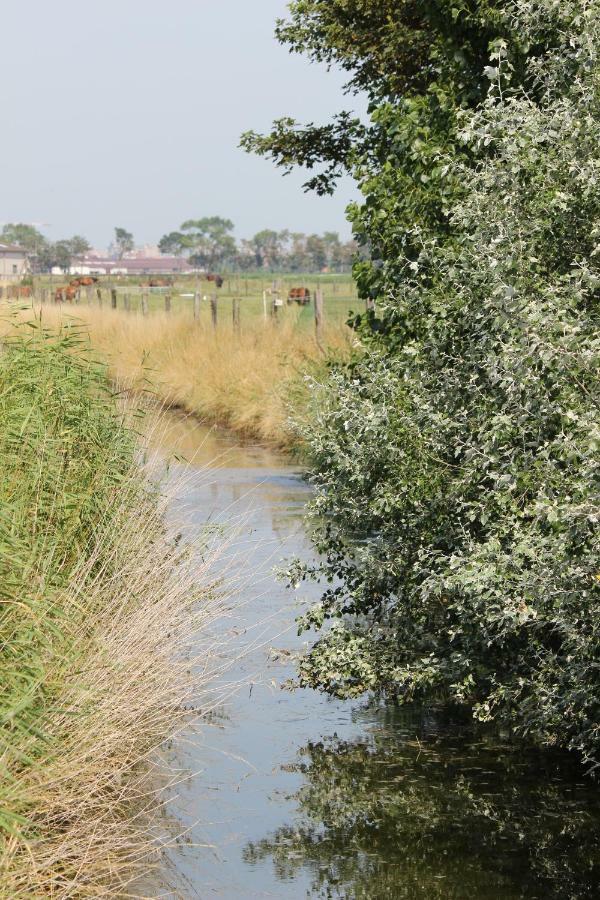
{"x": 386, "y": 817}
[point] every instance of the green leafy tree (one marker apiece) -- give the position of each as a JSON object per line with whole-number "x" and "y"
{"x": 316, "y": 248}
{"x": 79, "y": 246}
{"x": 25, "y": 236}
{"x": 124, "y": 242}
{"x": 210, "y": 240}
{"x": 30, "y": 239}
{"x": 455, "y": 462}
{"x": 268, "y": 248}
{"x": 61, "y": 254}
{"x": 173, "y": 244}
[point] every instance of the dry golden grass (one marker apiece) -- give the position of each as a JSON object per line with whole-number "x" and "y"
{"x": 143, "y": 656}
{"x": 246, "y": 382}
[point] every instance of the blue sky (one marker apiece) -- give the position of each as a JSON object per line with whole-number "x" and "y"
{"x": 128, "y": 112}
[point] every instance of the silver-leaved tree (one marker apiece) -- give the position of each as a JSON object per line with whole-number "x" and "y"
{"x": 456, "y": 461}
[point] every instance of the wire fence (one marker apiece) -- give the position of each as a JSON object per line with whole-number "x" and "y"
{"x": 308, "y": 303}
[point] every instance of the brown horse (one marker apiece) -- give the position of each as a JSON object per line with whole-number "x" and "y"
{"x": 84, "y": 281}
{"x": 18, "y": 291}
{"x": 66, "y": 292}
{"x": 69, "y": 291}
{"x": 218, "y": 279}
{"x": 157, "y": 282}
{"x": 301, "y": 296}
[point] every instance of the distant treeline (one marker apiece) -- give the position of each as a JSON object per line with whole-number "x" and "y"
{"x": 44, "y": 254}
{"x": 207, "y": 243}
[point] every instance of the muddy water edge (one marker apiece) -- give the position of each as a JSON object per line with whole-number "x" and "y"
{"x": 295, "y": 795}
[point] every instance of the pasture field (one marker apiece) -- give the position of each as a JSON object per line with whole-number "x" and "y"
{"x": 339, "y": 295}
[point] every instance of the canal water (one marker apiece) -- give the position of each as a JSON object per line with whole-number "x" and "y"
{"x": 294, "y": 795}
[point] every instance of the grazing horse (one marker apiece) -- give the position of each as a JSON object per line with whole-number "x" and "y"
{"x": 69, "y": 291}
{"x": 157, "y": 282}
{"x": 301, "y": 296}
{"x": 85, "y": 281}
{"x": 218, "y": 279}
{"x": 66, "y": 292}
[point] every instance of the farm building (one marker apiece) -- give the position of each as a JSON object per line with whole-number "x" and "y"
{"x": 13, "y": 263}
{"x": 160, "y": 265}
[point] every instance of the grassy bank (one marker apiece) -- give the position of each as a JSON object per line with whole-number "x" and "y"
{"x": 96, "y": 612}
{"x": 245, "y": 381}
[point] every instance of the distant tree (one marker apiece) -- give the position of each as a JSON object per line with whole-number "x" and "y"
{"x": 173, "y": 244}
{"x": 25, "y": 236}
{"x": 124, "y": 242}
{"x": 210, "y": 240}
{"x": 44, "y": 260}
{"x": 297, "y": 259}
{"x": 348, "y": 254}
{"x": 61, "y": 254}
{"x": 316, "y": 250}
{"x": 79, "y": 245}
{"x": 268, "y": 248}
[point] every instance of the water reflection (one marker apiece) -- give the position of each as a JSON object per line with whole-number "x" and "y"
{"x": 174, "y": 434}
{"x": 414, "y": 809}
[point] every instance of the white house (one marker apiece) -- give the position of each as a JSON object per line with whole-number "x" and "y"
{"x": 13, "y": 263}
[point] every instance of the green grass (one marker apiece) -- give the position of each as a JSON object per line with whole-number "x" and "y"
{"x": 63, "y": 457}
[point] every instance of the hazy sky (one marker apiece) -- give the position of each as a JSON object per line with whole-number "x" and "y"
{"x": 128, "y": 112}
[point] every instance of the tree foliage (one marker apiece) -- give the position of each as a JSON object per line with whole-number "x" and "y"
{"x": 172, "y": 244}
{"x": 124, "y": 242}
{"x": 456, "y": 462}
{"x": 210, "y": 244}
{"x": 44, "y": 254}
{"x": 209, "y": 240}
{"x": 26, "y": 236}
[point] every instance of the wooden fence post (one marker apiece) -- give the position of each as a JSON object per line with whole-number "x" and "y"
{"x": 213, "y": 309}
{"x": 144, "y": 304}
{"x": 89, "y": 290}
{"x": 196, "y": 306}
{"x": 319, "y": 317}
{"x": 99, "y": 295}
{"x": 126, "y": 302}
{"x": 167, "y": 303}
{"x": 236, "y": 314}
{"x": 113, "y": 298}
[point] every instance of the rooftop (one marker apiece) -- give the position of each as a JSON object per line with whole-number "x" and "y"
{"x": 140, "y": 264}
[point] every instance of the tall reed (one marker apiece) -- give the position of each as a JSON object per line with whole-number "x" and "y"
{"x": 104, "y": 634}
